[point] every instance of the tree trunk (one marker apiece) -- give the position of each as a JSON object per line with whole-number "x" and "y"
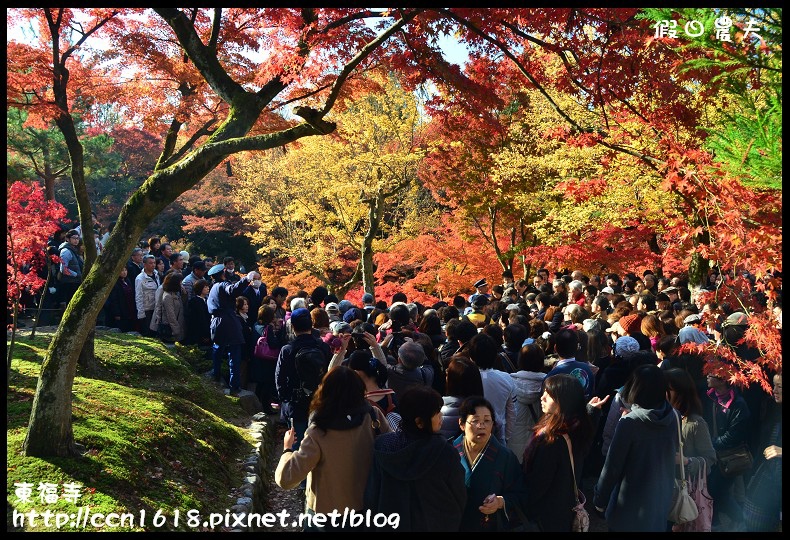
{"x": 699, "y": 265}
{"x": 698, "y": 270}
{"x": 89, "y": 366}
{"x": 49, "y": 432}
{"x": 375, "y": 213}
{"x": 11, "y": 345}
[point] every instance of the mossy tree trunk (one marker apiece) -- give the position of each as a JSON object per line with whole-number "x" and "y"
{"x": 177, "y": 170}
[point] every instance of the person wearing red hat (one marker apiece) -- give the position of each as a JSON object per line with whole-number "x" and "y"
{"x": 631, "y": 325}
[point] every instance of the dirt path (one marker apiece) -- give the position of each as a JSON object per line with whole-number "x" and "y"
{"x": 291, "y": 500}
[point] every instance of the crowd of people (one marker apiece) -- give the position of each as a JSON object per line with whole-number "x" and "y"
{"x": 482, "y": 413}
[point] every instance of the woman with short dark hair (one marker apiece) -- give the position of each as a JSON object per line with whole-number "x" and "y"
{"x": 494, "y": 482}
{"x": 416, "y": 473}
{"x": 198, "y": 317}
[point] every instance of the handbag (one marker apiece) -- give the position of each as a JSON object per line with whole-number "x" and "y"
{"x": 699, "y": 492}
{"x": 683, "y": 508}
{"x": 581, "y": 518}
{"x": 732, "y": 461}
{"x": 262, "y": 349}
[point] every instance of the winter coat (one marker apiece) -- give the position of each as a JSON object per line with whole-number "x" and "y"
{"x": 528, "y": 389}
{"x": 225, "y": 325}
{"x": 420, "y": 479}
{"x": 198, "y": 321}
{"x": 499, "y": 389}
{"x": 450, "y": 417}
{"x": 401, "y": 379}
{"x": 145, "y": 293}
{"x": 497, "y": 471}
{"x": 120, "y": 303}
{"x": 547, "y": 474}
{"x": 286, "y": 377}
{"x": 173, "y": 314}
{"x": 335, "y": 462}
{"x": 71, "y": 272}
{"x": 638, "y": 477}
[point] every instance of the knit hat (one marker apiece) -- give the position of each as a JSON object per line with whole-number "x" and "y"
{"x": 367, "y": 298}
{"x": 300, "y": 312}
{"x": 352, "y": 314}
{"x": 631, "y": 323}
{"x": 626, "y": 345}
{"x": 344, "y": 305}
{"x": 411, "y": 355}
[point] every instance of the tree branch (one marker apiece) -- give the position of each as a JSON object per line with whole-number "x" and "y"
{"x": 202, "y": 56}
{"x": 361, "y": 55}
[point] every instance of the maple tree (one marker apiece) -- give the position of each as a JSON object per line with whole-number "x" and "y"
{"x": 31, "y": 220}
{"x": 353, "y": 192}
{"x": 193, "y": 67}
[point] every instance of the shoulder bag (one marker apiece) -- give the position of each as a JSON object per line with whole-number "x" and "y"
{"x": 581, "y": 519}
{"x": 683, "y": 508}
{"x": 703, "y": 500}
{"x": 732, "y": 461}
{"x": 262, "y": 349}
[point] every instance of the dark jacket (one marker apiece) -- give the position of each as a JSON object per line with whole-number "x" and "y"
{"x": 446, "y": 352}
{"x": 286, "y": 377}
{"x": 75, "y": 264}
{"x": 732, "y": 423}
{"x": 225, "y": 325}
{"x": 638, "y": 477}
{"x": 401, "y": 379}
{"x": 120, "y": 303}
{"x": 421, "y": 480}
{"x": 132, "y": 271}
{"x": 254, "y": 297}
{"x": 547, "y": 473}
{"x": 198, "y": 322}
{"x": 498, "y": 471}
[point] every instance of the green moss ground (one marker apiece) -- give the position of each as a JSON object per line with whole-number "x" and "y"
{"x": 158, "y": 435}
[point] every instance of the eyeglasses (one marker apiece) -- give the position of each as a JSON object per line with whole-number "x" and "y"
{"x": 484, "y": 423}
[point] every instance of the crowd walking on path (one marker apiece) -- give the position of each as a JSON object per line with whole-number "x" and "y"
{"x": 484, "y": 413}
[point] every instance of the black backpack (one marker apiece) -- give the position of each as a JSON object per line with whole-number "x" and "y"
{"x": 311, "y": 366}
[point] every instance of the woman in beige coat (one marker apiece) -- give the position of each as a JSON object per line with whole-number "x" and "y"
{"x": 171, "y": 309}
{"x": 337, "y": 450}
